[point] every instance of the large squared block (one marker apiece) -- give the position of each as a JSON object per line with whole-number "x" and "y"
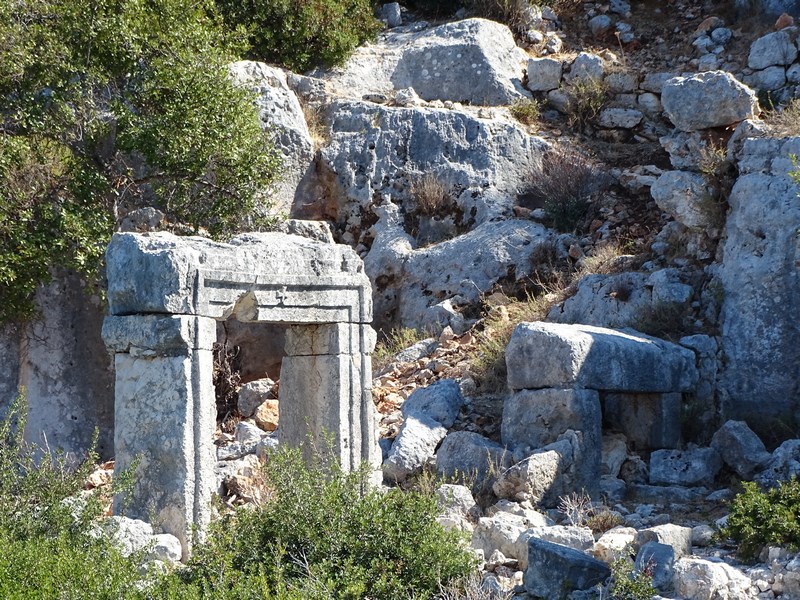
{"x": 544, "y": 355}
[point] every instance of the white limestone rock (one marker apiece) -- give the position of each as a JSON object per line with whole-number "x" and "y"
{"x": 377, "y": 150}
{"x": 613, "y": 544}
{"x": 457, "y": 507}
{"x": 281, "y": 114}
{"x": 710, "y": 99}
{"x": 621, "y": 118}
{"x": 740, "y": 448}
{"x": 441, "y": 401}
{"x": 776, "y": 48}
{"x": 544, "y": 74}
{"x": 687, "y": 198}
{"x": 473, "y": 61}
{"x": 414, "y": 445}
{"x": 679, "y": 538}
{"x": 586, "y": 66}
{"x": 710, "y": 579}
{"x": 761, "y": 290}
{"x": 684, "y": 467}
{"x": 542, "y": 355}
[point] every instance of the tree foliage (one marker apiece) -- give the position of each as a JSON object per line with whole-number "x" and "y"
{"x": 107, "y": 105}
{"x": 301, "y": 34}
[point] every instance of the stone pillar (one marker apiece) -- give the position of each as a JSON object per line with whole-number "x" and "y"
{"x": 165, "y": 418}
{"x": 326, "y": 368}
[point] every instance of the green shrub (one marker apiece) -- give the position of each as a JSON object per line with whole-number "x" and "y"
{"x": 526, "y": 111}
{"x": 109, "y": 105}
{"x": 324, "y": 533}
{"x": 629, "y": 584}
{"x": 301, "y": 34}
{"x": 769, "y": 517}
{"x": 46, "y": 552}
{"x": 587, "y": 96}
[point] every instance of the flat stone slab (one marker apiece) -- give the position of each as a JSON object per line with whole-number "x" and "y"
{"x": 272, "y": 277}
{"x": 545, "y": 355}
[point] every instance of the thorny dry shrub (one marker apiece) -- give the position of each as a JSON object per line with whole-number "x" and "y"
{"x": 587, "y": 96}
{"x": 785, "y": 120}
{"x": 565, "y": 186}
{"x": 227, "y": 380}
{"x": 603, "y": 519}
{"x": 470, "y": 588}
{"x": 430, "y": 195}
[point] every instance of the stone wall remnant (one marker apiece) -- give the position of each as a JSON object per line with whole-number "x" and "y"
{"x": 165, "y": 297}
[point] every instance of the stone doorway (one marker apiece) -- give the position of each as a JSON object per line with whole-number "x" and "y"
{"x": 166, "y": 295}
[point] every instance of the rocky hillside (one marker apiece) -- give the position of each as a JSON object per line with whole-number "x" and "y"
{"x": 582, "y": 229}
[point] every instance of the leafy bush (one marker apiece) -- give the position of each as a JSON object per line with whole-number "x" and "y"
{"x": 769, "y": 517}
{"x": 46, "y": 552}
{"x": 324, "y": 533}
{"x": 110, "y": 105}
{"x": 301, "y": 34}
{"x": 629, "y": 584}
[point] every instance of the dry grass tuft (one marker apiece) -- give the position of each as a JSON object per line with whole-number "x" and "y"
{"x": 526, "y": 111}
{"x": 391, "y": 344}
{"x": 315, "y": 120}
{"x": 431, "y": 196}
{"x": 785, "y": 120}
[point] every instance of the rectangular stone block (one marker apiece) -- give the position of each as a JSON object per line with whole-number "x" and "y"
{"x": 533, "y": 419}
{"x": 543, "y": 355}
{"x": 649, "y": 421}
{"x": 330, "y": 338}
{"x": 158, "y": 335}
{"x": 324, "y": 401}
{"x": 165, "y": 420}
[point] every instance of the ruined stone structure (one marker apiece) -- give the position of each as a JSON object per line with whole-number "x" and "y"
{"x": 165, "y": 296}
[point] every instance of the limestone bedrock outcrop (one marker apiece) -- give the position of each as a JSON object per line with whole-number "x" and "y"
{"x": 761, "y": 289}
{"x": 475, "y": 61}
{"x": 376, "y": 150}
{"x": 408, "y": 282}
{"x": 281, "y": 114}
{"x": 541, "y": 355}
{"x": 710, "y": 99}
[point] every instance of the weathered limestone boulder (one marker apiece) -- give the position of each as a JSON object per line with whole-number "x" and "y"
{"x": 684, "y": 467}
{"x": 771, "y": 78}
{"x": 409, "y": 282}
{"x": 586, "y": 66}
{"x": 50, "y": 358}
{"x": 543, "y": 355}
{"x": 281, "y": 114}
{"x": 132, "y": 535}
{"x": 623, "y": 299}
{"x": 613, "y": 544}
{"x": 474, "y": 61}
{"x": 457, "y": 507}
{"x": 619, "y": 118}
{"x": 677, "y": 537}
{"x": 710, "y": 99}
{"x": 534, "y": 419}
{"x": 776, "y": 48}
{"x": 740, "y": 448}
{"x": 543, "y": 477}
{"x": 502, "y": 531}
{"x": 415, "y": 443}
{"x": 760, "y": 379}
{"x": 470, "y": 458}
{"x": 659, "y": 560}
{"x": 544, "y": 74}
{"x": 554, "y": 570}
{"x": 571, "y": 536}
{"x": 439, "y": 401}
{"x": 688, "y": 198}
{"x": 254, "y": 393}
{"x": 376, "y": 150}
{"x": 784, "y": 463}
{"x": 710, "y": 579}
